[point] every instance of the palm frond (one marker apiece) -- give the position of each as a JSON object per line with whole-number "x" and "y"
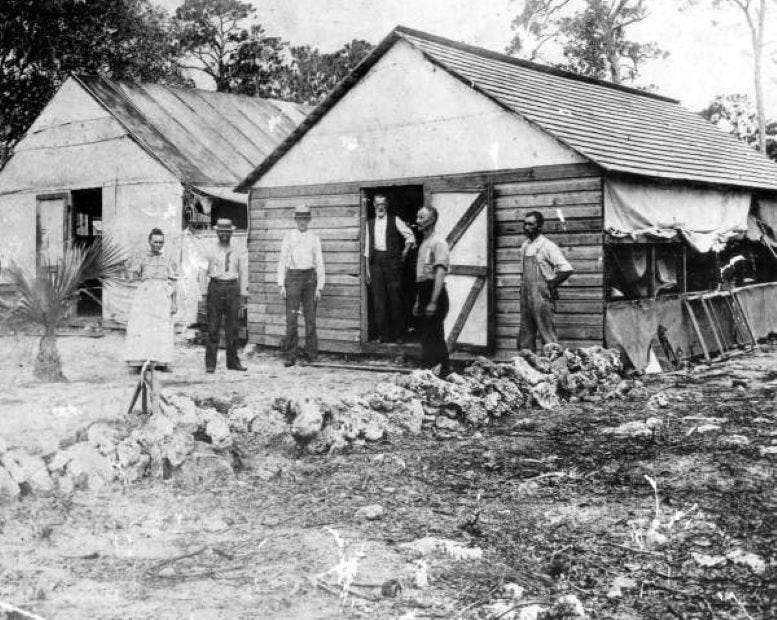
{"x": 45, "y": 298}
{"x": 104, "y": 261}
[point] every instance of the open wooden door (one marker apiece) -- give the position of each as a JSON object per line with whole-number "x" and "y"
{"x": 465, "y": 220}
{"x": 52, "y": 231}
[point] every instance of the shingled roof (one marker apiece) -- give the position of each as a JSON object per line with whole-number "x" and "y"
{"x": 203, "y": 137}
{"x": 619, "y": 128}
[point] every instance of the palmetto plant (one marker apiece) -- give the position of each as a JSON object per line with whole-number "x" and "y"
{"x": 43, "y": 300}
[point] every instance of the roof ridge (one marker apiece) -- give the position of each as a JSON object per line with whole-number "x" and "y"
{"x": 526, "y": 64}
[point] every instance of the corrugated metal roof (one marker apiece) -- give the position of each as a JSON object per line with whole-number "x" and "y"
{"x": 203, "y": 137}
{"x": 619, "y": 128}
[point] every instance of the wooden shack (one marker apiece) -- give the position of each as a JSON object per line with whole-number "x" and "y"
{"x": 119, "y": 158}
{"x": 486, "y": 138}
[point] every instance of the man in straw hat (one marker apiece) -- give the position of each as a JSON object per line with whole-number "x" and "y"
{"x": 301, "y": 279}
{"x": 227, "y": 292}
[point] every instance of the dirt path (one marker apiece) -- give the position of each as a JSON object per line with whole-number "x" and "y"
{"x": 557, "y": 502}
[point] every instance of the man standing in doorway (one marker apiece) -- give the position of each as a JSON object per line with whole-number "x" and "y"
{"x": 387, "y": 241}
{"x": 431, "y": 304}
{"x": 227, "y": 293}
{"x": 544, "y": 270}
{"x": 301, "y": 279}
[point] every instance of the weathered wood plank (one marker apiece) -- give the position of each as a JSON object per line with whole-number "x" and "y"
{"x": 316, "y": 224}
{"x": 325, "y": 345}
{"x": 572, "y": 253}
{"x": 547, "y": 187}
{"x": 327, "y": 245}
{"x": 507, "y": 213}
{"x": 322, "y": 322}
{"x": 507, "y": 307}
{"x": 329, "y": 267}
{"x": 588, "y": 265}
{"x": 335, "y": 294}
{"x": 565, "y": 239}
{"x": 352, "y": 311}
{"x": 272, "y": 257}
{"x": 565, "y": 293}
{"x": 333, "y": 279}
{"x": 468, "y": 179}
{"x": 550, "y": 200}
{"x": 575, "y": 280}
{"x": 345, "y": 335}
{"x": 513, "y": 227}
{"x": 340, "y": 234}
{"x": 316, "y": 201}
{"x": 565, "y": 332}
{"x": 287, "y": 214}
{"x": 514, "y": 320}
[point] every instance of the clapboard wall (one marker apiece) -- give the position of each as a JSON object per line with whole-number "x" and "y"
{"x": 576, "y": 194}
{"x": 335, "y": 218}
{"x": 573, "y": 189}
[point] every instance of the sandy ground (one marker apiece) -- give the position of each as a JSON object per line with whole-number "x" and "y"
{"x": 100, "y": 386}
{"x": 555, "y": 504}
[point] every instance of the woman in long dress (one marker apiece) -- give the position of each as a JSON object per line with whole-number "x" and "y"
{"x": 150, "y": 329}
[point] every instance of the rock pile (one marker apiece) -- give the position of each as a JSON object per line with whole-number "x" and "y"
{"x": 184, "y": 441}
{"x": 485, "y": 391}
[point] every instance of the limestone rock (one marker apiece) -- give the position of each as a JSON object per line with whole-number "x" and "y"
{"x": 529, "y": 374}
{"x": 28, "y": 470}
{"x": 240, "y": 418}
{"x": 369, "y": 513}
{"x": 132, "y": 461}
{"x": 9, "y": 489}
{"x": 204, "y": 469}
{"x": 104, "y": 438}
{"x": 216, "y": 428}
{"x": 445, "y": 423}
{"x": 84, "y": 465}
{"x": 176, "y": 448}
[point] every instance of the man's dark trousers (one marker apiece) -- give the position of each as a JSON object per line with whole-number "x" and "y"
{"x": 434, "y": 349}
{"x": 385, "y": 272}
{"x": 301, "y": 287}
{"x": 223, "y": 298}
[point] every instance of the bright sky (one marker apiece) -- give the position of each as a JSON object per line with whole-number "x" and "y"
{"x": 709, "y": 49}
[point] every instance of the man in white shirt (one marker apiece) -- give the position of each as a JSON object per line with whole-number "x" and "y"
{"x": 387, "y": 241}
{"x": 544, "y": 269}
{"x": 227, "y": 273}
{"x": 301, "y": 279}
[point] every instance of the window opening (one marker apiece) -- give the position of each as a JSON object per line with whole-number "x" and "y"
{"x": 87, "y": 227}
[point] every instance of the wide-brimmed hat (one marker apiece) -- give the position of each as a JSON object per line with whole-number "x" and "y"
{"x": 302, "y": 211}
{"x": 224, "y": 223}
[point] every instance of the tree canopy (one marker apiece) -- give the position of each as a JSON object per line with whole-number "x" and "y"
{"x": 591, "y": 35}
{"x": 737, "y": 114}
{"x": 223, "y": 39}
{"x": 755, "y": 15}
{"x": 43, "y": 41}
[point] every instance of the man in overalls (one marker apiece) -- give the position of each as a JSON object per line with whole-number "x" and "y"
{"x": 544, "y": 270}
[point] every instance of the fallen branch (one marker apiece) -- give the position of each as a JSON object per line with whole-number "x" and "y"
{"x": 327, "y": 588}
{"x": 12, "y": 609}
{"x": 172, "y": 560}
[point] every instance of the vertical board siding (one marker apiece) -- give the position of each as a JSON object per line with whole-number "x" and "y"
{"x": 579, "y": 318}
{"x": 336, "y": 221}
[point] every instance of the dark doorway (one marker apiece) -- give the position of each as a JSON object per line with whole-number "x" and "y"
{"x": 404, "y": 202}
{"x": 87, "y": 205}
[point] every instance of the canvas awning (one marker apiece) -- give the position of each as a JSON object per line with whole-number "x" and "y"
{"x": 762, "y": 222}
{"x": 224, "y": 193}
{"x": 706, "y": 218}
